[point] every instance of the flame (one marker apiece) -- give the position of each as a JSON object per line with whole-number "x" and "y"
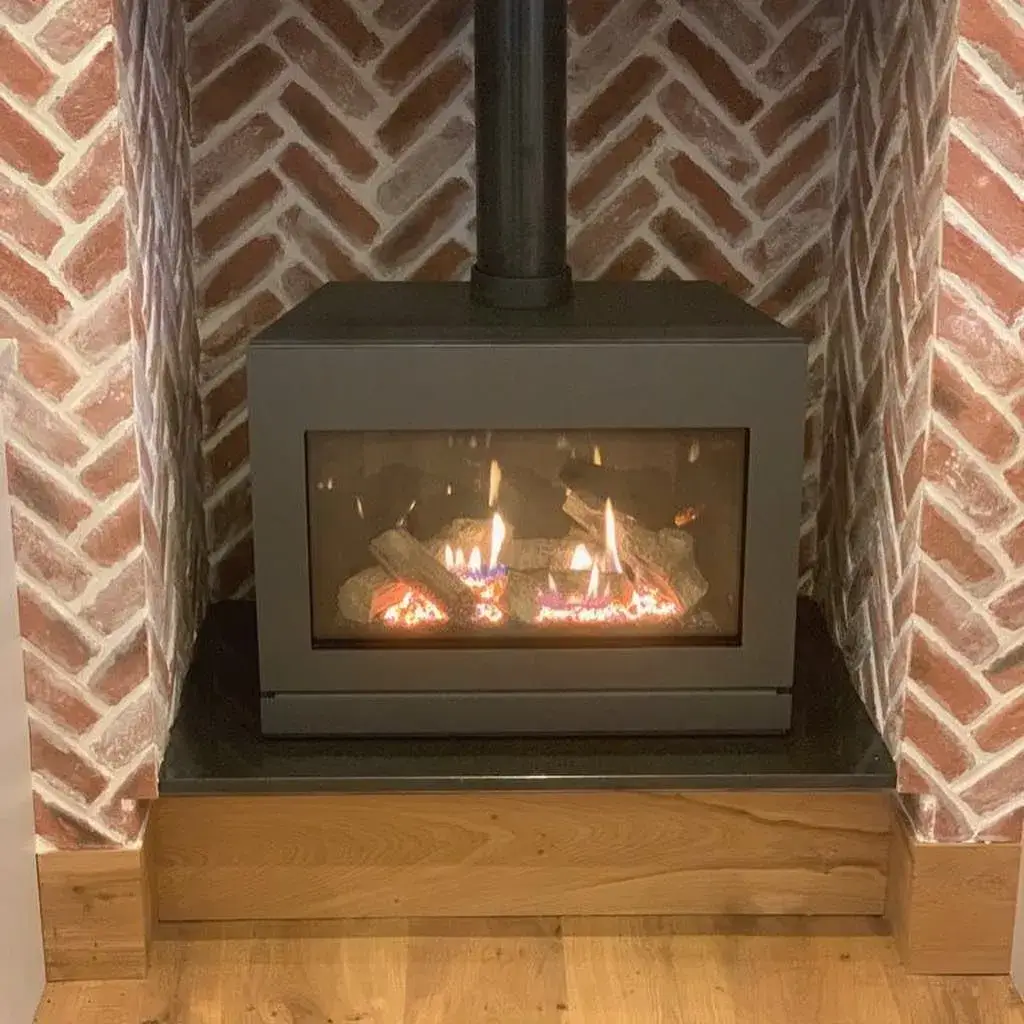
{"x": 597, "y": 456}
{"x": 552, "y": 585}
{"x": 594, "y": 583}
{"x": 359, "y": 507}
{"x": 476, "y": 560}
{"x": 580, "y": 558}
{"x": 497, "y": 536}
{"x": 413, "y": 609}
{"x": 460, "y": 560}
{"x": 449, "y": 557}
{"x": 610, "y": 544}
{"x": 494, "y": 484}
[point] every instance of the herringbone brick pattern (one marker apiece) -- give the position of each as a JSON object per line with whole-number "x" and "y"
{"x": 64, "y": 297}
{"x": 964, "y": 735}
{"x": 334, "y": 140}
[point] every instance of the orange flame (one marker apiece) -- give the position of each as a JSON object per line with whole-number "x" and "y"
{"x": 497, "y": 537}
{"x": 610, "y": 544}
{"x": 580, "y": 558}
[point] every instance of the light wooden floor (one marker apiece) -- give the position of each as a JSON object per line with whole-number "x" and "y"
{"x": 574, "y": 971}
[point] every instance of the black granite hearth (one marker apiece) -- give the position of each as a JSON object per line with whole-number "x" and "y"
{"x": 216, "y": 746}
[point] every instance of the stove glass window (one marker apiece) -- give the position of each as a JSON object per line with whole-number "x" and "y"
{"x": 504, "y": 538}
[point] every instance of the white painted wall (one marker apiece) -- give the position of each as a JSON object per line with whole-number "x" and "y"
{"x": 21, "y": 941}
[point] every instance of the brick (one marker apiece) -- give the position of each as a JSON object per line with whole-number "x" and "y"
{"x": 424, "y": 166}
{"x": 423, "y": 226}
{"x": 233, "y": 570}
{"x": 90, "y": 97}
{"x": 785, "y": 180}
{"x": 318, "y": 245}
{"x": 954, "y": 618}
{"x": 445, "y": 263}
{"x": 976, "y": 266}
{"x": 42, "y": 364}
{"x": 939, "y": 744}
{"x": 93, "y": 177}
{"x": 23, "y": 220}
{"x": 234, "y": 156}
{"x": 991, "y": 792}
{"x": 789, "y": 114}
{"x": 44, "y": 430}
{"x": 127, "y": 809}
{"x": 117, "y": 535}
{"x": 123, "y": 670}
{"x": 54, "y": 696}
{"x": 244, "y": 207}
{"x": 30, "y": 291}
{"x": 25, "y": 148}
{"x": 339, "y": 18}
{"x": 21, "y": 10}
{"x": 439, "y": 24}
{"x": 230, "y": 515}
{"x": 611, "y": 45}
{"x": 230, "y": 452}
{"x": 778, "y": 12}
{"x": 47, "y": 560}
{"x": 114, "y": 468}
{"x": 64, "y": 830}
{"x": 612, "y": 165}
{"x": 73, "y": 26}
{"x": 43, "y": 494}
{"x": 64, "y": 768}
{"x": 103, "y": 328}
{"x": 420, "y": 105}
{"x": 225, "y": 94}
{"x": 127, "y": 735}
{"x": 108, "y": 403}
{"x": 950, "y": 467}
{"x": 787, "y": 235}
{"x": 720, "y": 146}
{"x": 986, "y": 197}
{"x": 700, "y": 254}
{"x": 1015, "y": 478}
{"x": 215, "y": 42}
{"x": 1013, "y": 544}
{"x": 397, "y": 13}
{"x": 605, "y": 233}
{"x": 945, "y": 681}
{"x": 987, "y": 25}
{"x": 631, "y": 263}
{"x": 618, "y": 98}
{"x": 298, "y": 282}
{"x": 957, "y": 553}
{"x": 793, "y": 283}
{"x": 1002, "y": 729}
{"x": 243, "y": 268}
{"x": 328, "y": 132}
{"x": 734, "y": 28}
{"x": 798, "y": 48}
{"x": 1006, "y": 672}
{"x": 1008, "y": 609}
{"x": 119, "y": 600}
{"x": 52, "y": 633}
{"x": 971, "y": 414}
{"x": 20, "y": 71}
{"x": 310, "y": 176}
{"x": 704, "y": 196}
{"x": 222, "y": 401}
{"x": 1005, "y": 828}
{"x": 586, "y": 15}
{"x": 714, "y": 72}
{"x": 989, "y": 118}
{"x": 262, "y": 309}
{"x": 327, "y": 68}
{"x": 100, "y": 256}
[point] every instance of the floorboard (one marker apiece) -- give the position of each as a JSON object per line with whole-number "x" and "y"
{"x": 532, "y": 971}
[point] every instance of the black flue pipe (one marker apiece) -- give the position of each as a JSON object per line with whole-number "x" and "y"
{"x": 520, "y": 60}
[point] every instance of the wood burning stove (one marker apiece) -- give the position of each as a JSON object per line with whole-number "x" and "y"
{"x": 520, "y": 506}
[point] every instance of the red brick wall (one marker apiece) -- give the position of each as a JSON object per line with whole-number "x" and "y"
{"x": 334, "y": 140}
{"x": 920, "y": 557}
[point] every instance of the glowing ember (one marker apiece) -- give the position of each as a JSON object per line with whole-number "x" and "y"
{"x": 643, "y": 604}
{"x": 413, "y": 609}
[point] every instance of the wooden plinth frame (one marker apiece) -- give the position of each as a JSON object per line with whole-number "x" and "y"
{"x": 497, "y": 854}
{"x": 951, "y": 907}
{"x": 96, "y": 908}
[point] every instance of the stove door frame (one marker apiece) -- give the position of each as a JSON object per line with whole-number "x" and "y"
{"x": 727, "y": 381}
